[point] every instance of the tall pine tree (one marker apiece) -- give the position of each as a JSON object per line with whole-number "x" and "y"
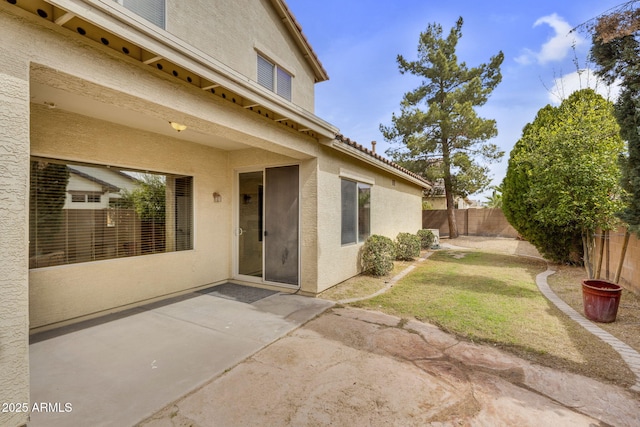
{"x": 449, "y": 131}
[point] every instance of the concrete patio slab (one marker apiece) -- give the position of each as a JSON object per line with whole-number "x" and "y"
{"x": 119, "y": 371}
{"x": 351, "y": 367}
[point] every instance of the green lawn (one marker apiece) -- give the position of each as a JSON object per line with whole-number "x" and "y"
{"x": 478, "y": 295}
{"x": 493, "y": 298}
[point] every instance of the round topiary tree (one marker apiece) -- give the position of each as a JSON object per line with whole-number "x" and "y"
{"x": 378, "y": 254}
{"x": 426, "y": 238}
{"x": 557, "y": 244}
{"x": 407, "y": 246}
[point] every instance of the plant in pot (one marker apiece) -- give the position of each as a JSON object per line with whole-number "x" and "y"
{"x": 600, "y": 298}
{"x": 572, "y": 173}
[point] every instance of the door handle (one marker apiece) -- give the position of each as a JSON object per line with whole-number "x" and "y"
{"x": 239, "y": 232}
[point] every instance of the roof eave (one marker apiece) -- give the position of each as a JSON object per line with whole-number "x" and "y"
{"x": 295, "y": 29}
{"x": 376, "y": 161}
{"x": 161, "y": 45}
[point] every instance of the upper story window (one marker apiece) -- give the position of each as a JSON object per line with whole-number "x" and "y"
{"x": 151, "y": 10}
{"x": 274, "y": 78}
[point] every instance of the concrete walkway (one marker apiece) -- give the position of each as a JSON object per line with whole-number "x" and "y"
{"x": 119, "y": 370}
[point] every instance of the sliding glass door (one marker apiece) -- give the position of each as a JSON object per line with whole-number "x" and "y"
{"x": 268, "y": 225}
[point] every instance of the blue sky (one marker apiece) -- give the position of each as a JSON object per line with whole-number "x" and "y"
{"x": 357, "y": 41}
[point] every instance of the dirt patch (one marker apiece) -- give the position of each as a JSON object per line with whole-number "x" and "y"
{"x": 566, "y": 283}
{"x": 495, "y": 244}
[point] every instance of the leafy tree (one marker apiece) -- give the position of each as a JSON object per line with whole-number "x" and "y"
{"x": 47, "y": 198}
{"x": 563, "y": 177}
{"x": 558, "y": 244}
{"x": 616, "y": 51}
{"x": 618, "y": 23}
{"x": 148, "y": 199}
{"x": 449, "y": 129}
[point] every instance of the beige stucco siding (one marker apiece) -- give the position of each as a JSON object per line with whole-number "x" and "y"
{"x": 14, "y": 191}
{"x": 65, "y": 292}
{"x": 74, "y": 99}
{"x": 337, "y": 262}
{"x": 217, "y": 29}
{"x": 51, "y": 57}
{"x": 65, "y": 60}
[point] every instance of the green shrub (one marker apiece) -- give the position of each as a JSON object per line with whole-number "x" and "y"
{"x": 378, "y": 254}
{"x": 426, "y": 238}
{"x": 407, "y": 246}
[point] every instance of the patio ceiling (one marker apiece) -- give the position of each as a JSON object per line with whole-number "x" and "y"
{"x": 155, "y": 120}
{"x": 175, "y": 60}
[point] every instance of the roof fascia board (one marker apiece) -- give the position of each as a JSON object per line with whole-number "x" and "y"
{"x": 129, "y": 26}
{"x": 353, "y": 152}
{"x": 296, "y": 31}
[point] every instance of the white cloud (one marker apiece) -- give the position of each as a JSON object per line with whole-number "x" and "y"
{"x": 555, "y": 48}
{"x": 526, "y": 58}
{"x": 585, "y": 78}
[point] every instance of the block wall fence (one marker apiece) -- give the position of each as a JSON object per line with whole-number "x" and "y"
{"x": 492, "y": 223}
{"x": 471, "y": 222}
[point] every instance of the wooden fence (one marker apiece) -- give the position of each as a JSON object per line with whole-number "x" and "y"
{"x": 630, "y": 274}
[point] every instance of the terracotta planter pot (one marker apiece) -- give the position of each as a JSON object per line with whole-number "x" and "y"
{"x": 601, "y": 300}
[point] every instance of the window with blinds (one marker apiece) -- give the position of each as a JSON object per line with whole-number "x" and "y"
{"x": 265, "y": 73}
{"x": 356, "y": 207}
{"x": 283, "y": 84}
{"x": 82, "y": 213}
{"x": 151, "y": 10}
{"x": 274, "y": 78}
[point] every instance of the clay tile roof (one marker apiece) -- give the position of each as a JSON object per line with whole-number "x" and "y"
{"x": 365, "y": 150}
{"x": 322, "y": 74}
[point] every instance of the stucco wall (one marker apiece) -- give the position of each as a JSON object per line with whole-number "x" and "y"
{"x": 14, "y": 196}
{"x": 63, "y": 60}
{"x": 66, "y": 60}
{"x": 217, "y": 29}
{"x": 337, "y": 262}
{"x": 65, "y": 292}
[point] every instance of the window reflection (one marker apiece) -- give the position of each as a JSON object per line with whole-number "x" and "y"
{"x": 81, "y": 213}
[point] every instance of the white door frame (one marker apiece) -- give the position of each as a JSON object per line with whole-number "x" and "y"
{"x": 236, "y": 226}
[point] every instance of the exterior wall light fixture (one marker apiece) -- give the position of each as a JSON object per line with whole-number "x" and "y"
{"x": 178, "y": 126}
{"x": 217, "y": 198}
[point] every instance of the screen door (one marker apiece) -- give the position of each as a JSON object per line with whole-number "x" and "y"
{"x": 281, "y": 225}
{"x": 268, "y": 220}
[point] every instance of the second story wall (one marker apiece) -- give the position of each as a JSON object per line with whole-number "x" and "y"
{"x": 234, "y": 32}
